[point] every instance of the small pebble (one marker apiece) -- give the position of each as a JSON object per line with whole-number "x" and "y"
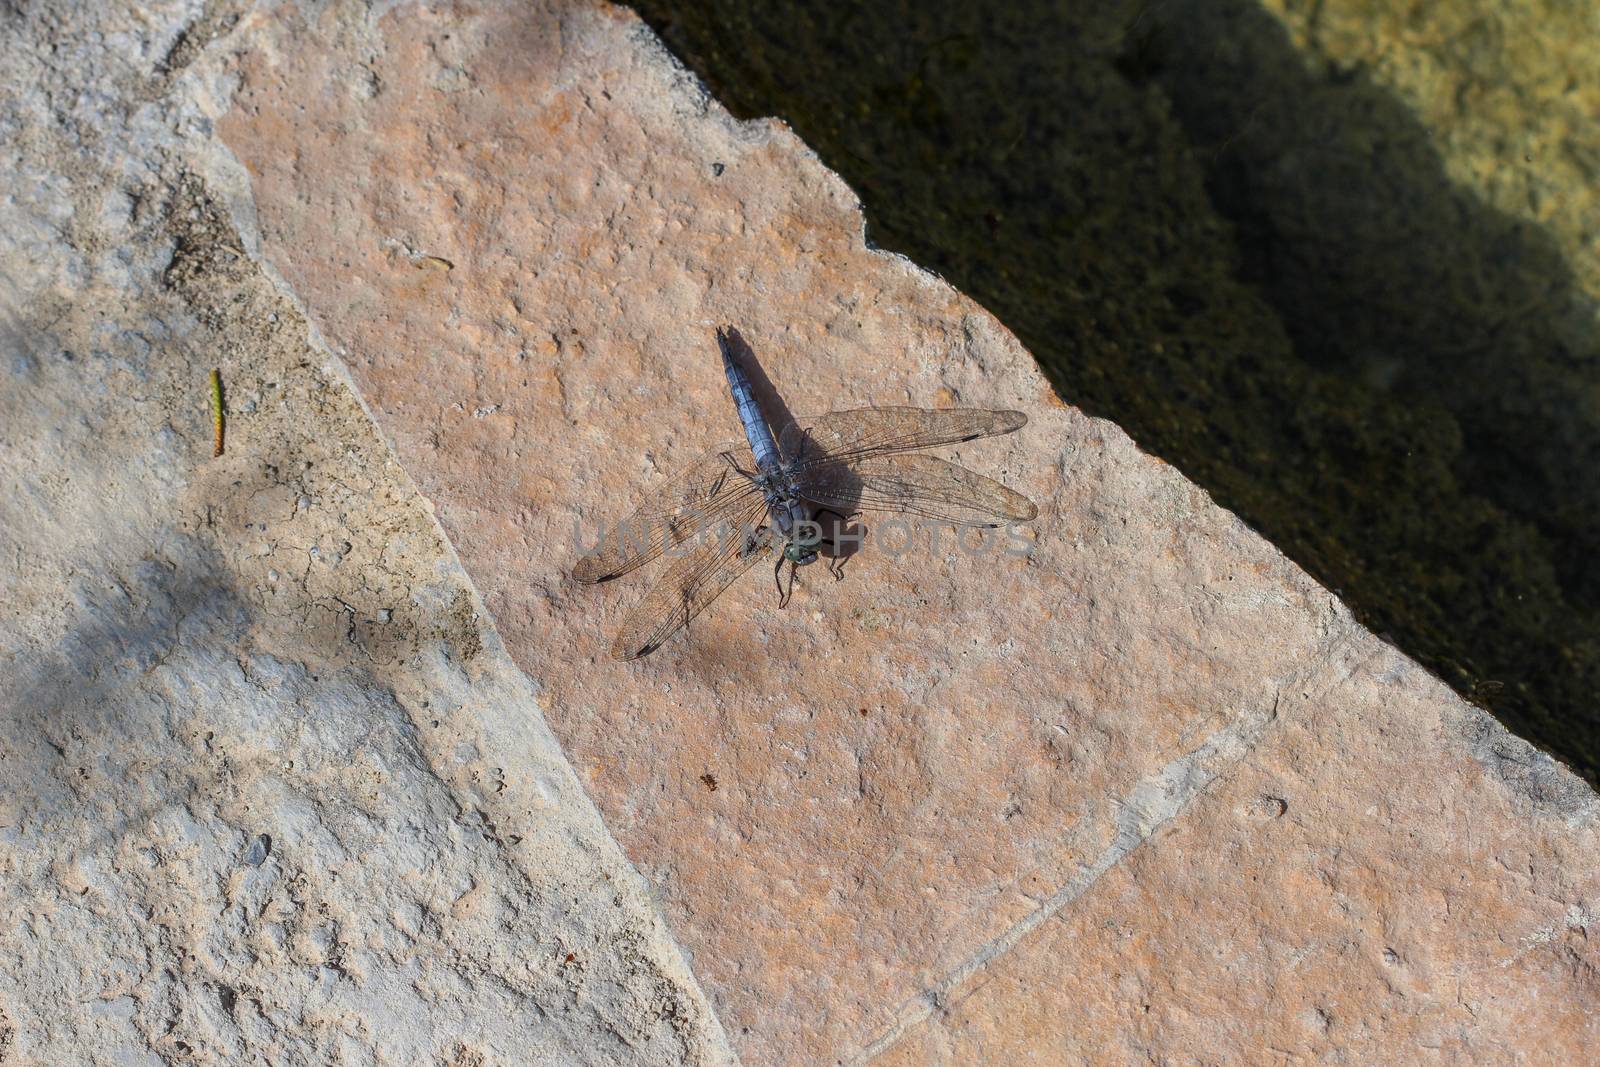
{"x": 259, "y": 849}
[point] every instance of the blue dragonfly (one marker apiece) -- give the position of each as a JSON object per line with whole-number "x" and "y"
{"x": 762, "y": 499}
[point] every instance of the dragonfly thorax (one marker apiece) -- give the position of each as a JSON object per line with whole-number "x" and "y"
{"x": 787, "y": 512}
{"x": 793, "y": 522}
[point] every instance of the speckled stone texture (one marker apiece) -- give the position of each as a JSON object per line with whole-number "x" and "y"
{"x": 1148, "y": 795}
{"x": 271, "y": 789}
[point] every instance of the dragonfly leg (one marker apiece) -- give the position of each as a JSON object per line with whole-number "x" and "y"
{"x": 835, "y": 562}
{"x": 727, "y": 457}
{"x": 785, "y": 595}
{"x": 829, "y": 511}
{"x": 722, "y": 476}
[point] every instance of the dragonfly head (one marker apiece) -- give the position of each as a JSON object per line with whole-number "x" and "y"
{"x": 800, "y": 553}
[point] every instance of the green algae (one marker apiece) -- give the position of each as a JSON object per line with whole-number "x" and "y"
{"x": 1255, "y": 263}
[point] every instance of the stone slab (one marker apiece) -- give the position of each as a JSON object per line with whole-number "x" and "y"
{"x": 271, "y": 789}
{"x": 519, "y": 226}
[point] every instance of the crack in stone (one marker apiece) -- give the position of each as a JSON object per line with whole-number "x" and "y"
{"x": 1154, "y": 802}
{"x": 1151, "y": 804}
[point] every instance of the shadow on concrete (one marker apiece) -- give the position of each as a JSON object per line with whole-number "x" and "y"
{"x": 89, "y": 728}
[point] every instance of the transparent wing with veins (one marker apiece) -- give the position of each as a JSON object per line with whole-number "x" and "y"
{"x": 861, "y": 460}
{"x": 696, "y": 578}
{"x": 845, "y": 460}
{"x": 842, "y": 435}
{"x": 685, "y": 506}
{"x": 914, "y": 484}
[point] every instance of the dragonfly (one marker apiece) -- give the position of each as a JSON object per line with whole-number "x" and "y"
{"x": 763, "y": 498}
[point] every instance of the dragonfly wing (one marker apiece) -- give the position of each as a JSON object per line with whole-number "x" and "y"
{"x": 870, "y": 431}
{"x": 914, "y": 484}
{"x": 690, "y": 503}
{"x": 693, "y": 581}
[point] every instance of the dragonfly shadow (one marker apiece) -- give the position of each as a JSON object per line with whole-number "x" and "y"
{"x": 767, "y": 395}
{"x": 842, "y": 534}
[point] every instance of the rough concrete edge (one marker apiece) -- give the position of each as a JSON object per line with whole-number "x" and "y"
{"x": 696, "y": 99}
{"x": 1552, "y": 788}
{"x": 1549, "y": 786}
{"x": 229, "y": 181}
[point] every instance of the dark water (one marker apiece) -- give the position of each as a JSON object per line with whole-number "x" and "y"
{"x": 1255, "y": 265}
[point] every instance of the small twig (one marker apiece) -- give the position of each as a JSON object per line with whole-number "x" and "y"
{"x": 216, "y": 410}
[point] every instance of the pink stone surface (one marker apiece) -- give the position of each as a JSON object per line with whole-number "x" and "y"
{"x": 1034, "y": 786}
{"x": 1330, "y": 900}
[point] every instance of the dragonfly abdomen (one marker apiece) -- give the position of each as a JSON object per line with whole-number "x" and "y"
{"x": 762, "y": 444}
